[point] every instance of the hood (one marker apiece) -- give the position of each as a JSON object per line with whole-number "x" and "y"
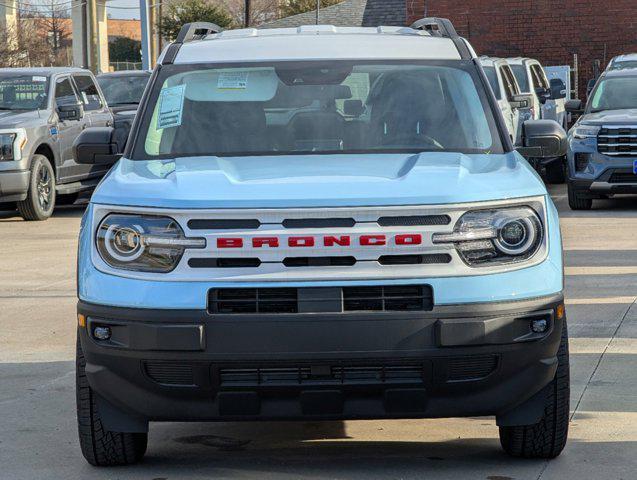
{"x": 10, "y": 119}
{"x": 318, "y": 181}
{"x": 609, "y": 117}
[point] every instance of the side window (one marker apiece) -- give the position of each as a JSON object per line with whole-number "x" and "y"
{"x": 88, "y": 92}
{"x": 508, "y": 77}
{"x": 64, "y": 93}
{"x": 508, "y": 87}
{"x": 539, "y": 81}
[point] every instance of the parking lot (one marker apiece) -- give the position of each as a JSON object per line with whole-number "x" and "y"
{"x": 38, "y": 438}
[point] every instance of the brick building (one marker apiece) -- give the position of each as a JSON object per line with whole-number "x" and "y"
{"x": 550, "y": 30}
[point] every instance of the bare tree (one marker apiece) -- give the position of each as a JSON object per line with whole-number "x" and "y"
{"x": 261, "y": 11}
{"x": 54, "y": 19}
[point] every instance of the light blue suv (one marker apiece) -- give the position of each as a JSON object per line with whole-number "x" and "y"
{"x": 320, "y": 223}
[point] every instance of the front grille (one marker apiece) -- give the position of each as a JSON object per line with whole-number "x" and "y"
{"x": 414, "y": 220}
{"x": 462, "y": 369}
{"x": 345, "y": 261}
{"x": 617, "y": 141}
{"x": 321, "y": 375}
{"x": 622, "y": 177}
{"x": 383, "y": 298}
{"x": 427, "y": 259}
{"x": 170, "y": 373}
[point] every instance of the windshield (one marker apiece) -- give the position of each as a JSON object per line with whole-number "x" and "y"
{"x": 23, "y": 92}
{"x": 316, "y": 107}
{"x": 623, "y": 65}
{"x": 493, "y": 80}
{"x": 519, "y": 71}
{"x": 123, "y": 89}
{"x": 615, "y": 94}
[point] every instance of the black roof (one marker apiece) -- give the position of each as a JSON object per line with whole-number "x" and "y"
{"x": 350, "y": 13}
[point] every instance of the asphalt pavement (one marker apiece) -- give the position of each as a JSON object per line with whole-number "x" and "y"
{"x": 38, "y": 437}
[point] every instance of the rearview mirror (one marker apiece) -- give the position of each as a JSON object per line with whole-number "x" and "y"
{"x": 353, "y": 108}
{"x": 73, "y": 111}
{"x": 96, "y": 145}
{"x": 558, "y": 89}
{"x": 543, "y": 139}
{"x": 521, "y": 100}
{"x": 573, "y": 106}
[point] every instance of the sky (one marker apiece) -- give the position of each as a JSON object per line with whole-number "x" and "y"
{"x": 123, "y": 8}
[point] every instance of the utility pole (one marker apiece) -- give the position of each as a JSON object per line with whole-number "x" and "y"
{"x": 91, "y": 7}
{"x": 318, "y": 11}
{"x": 143, "y": 14}
{"x": 246, "y": 14}
{"x": 152, "y": 33}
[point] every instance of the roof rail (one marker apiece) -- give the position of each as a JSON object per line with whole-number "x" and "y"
{"x": 188, "y": 33}
{"x": 196, "y": 31}
{"x": 438, "y": 27}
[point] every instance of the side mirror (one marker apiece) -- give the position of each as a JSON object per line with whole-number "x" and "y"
{"x": 521, "y": 100}
{"x": 73, "y": 111}
{"x": 558, "y": 89}
{"x": 96, "y": 145}
{"x": 543, "y": 139}
{"x": 573, "y": 106}
{"x": 543, "y": 94}
{"x": 353, "y": 108}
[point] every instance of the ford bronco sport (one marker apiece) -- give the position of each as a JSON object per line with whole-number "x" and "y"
{"x": 320, "y": 223}
{"x": 42, "y": 111}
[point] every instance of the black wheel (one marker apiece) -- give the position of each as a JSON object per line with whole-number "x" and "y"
{"x": 555, "y": 172}
{"x": 547, "y": 438}
{"x": 576, "y": 201}
{"x": 40, "y": 199}
{"x": 102, "y": 447}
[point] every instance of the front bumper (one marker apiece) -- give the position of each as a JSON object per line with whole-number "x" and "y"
{"x": 14, "y": 185}
{"x": 188, "y": 365}
{"x": 611, "y": 181}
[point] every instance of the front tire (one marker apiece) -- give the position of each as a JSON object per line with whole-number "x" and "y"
{"x": 40, "y": 200}
{"x": 547, "y": 438}
{"x": 577, "y": 201}
{"x": 101, "y": 447}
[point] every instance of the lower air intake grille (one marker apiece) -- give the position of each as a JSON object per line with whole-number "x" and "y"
{"x": 471, "y": 368}
{"x": 168, "y": 373}
{"x": 321, "y": 375}
{"x": 381, "y": 298}
{"x": 623, "y": 177}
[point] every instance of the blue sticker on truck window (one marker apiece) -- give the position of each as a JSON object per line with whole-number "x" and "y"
{"x": 171, "y": 105}
{"x": 635, "y": 167}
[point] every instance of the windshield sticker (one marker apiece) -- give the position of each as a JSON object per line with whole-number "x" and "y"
{"x": 171, "y": 105}
{"x": 39, "y": 79}
{"x": 232, "y": 81}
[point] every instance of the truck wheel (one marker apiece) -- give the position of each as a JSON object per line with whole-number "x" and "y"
{"x": 101, "y": 447}
{"x": 555, "y": 172}
{"x": 40, "y": 199}
{"x": 547, "y": 438}
{"x": 576, "y": 201}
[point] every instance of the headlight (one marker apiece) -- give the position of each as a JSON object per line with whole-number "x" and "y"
{"x": 143, "y": 243}
{"x": 586, "y": 131}
{"x": 7, "y": 141}
{"x": 485, "y": 237}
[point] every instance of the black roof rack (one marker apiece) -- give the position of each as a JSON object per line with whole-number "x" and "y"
{"x": 442, "y": 27}
{"x": 188, "y": 33}
{"x": 438, "y": 27}
{"x": 196, "y": 31}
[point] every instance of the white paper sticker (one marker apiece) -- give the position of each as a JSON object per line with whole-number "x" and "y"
{"x": 37, "y": 78}
{"x": 171, "y": 105}
{"x": 232, "y": 81}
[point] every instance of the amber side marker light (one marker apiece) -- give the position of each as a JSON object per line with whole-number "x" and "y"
{"x": 81, "y": 320}
{"x": 559, "y": 311}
